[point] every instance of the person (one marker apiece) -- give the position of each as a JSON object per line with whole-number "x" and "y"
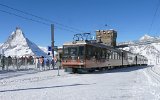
{"x": 31, "y": 60}
{"x": 9, "y": 61}
{"x": 53, "y": 63}
{"x": 3, "y": 62}
{"x": 37, "y": 62}
{"x": 42, "y": 62}
{"x": 19, "y": 63}
{"x": 47, "y": 63}
{"x": 14, "y": 62}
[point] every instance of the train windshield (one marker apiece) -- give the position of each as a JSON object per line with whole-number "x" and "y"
{"x": 73, "y": 50}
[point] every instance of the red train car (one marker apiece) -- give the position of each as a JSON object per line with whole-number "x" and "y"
{"x": 79, "y": 56}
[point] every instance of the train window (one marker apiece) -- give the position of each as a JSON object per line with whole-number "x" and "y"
{"x": 107, "y": 55}
{"x": 73, "y": 51}
{"x": 115, "y": 55}
{"x": 81, "y": 50}
{"x": 130, "y": 58}
{"x": 111, "y": 55}
{"x": 103, "y": 53}
{"x": 125, "y": 55}
{"x": 98, "y": 53}
{"x": 118, "y": 56}
{"x": 89, "y": 52}
{"x": 65, "y": 50}
{"x": 94, "y": 52}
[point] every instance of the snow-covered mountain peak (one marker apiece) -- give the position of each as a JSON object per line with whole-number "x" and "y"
{"x": 19, "y": 32}
{"x": 146, "y": 37}
{"x": 18, "y": 45}
{"x": 16, "y": 38}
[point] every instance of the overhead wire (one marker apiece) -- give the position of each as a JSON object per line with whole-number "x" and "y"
{"x": 37, "y": 21}
{"x": 41, "y": 18}
{"x": 24, "y": 17}
{"x": 154, "y": 16}
{"x": 151, "y": 25}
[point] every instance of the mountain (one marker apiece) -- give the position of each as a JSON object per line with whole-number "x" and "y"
{"x": 18, "y": 45}
{"x": 150, "y": 50}
{"x": 43, "y": 49}
{"x": 1, "y": 44}
{"x": 146, "y": 38}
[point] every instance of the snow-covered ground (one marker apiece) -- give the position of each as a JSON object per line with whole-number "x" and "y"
{"x": 131, "y": 83}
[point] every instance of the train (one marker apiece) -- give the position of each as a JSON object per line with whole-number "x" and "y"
{"x": 87, "y": 56}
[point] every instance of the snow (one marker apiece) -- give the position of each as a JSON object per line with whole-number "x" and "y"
{"x": 18, "y": 45}
{"x": 132, "y": 83}
{"x": 128, "y": 83}
{"x": 1, "y": 44}
{"x": 44, "y": 49}
{"x": 146, "y": 37}
{"x": 1, "y": 52}
{"x": 151, "y": 51}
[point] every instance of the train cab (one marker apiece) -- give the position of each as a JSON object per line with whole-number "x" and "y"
{"x": 73, "y": 55}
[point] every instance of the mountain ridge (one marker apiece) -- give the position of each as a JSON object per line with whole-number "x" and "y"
{"x": 150, "y": 50}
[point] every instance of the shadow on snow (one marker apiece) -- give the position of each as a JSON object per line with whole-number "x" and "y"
{"x": 120, "y": 69}
{"x": 11, "y": 73}
{"x": 38, "y": 88}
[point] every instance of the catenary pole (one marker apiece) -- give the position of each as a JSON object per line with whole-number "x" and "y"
{"x": 52, "y": 39}
{"x": 52, "y": 42}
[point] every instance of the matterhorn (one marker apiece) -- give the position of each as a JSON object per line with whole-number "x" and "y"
{"x": 18, "y": 45}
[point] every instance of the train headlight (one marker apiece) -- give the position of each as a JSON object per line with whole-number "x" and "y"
{"x": 65, "y": 61}
{"x": 81, "y": 61}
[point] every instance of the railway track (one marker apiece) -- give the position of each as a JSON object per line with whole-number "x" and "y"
{"x": 153, "y": 73}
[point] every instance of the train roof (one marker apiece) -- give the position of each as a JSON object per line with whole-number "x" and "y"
{"x": 94, "y": 43}
{"x": 84, "y": 42}
{"x": 75, "y": 43}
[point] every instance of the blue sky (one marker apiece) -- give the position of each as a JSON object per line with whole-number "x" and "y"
{"x": 130, "y": 18}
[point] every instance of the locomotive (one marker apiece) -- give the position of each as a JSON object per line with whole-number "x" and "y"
{"x": 89, "y": 55}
